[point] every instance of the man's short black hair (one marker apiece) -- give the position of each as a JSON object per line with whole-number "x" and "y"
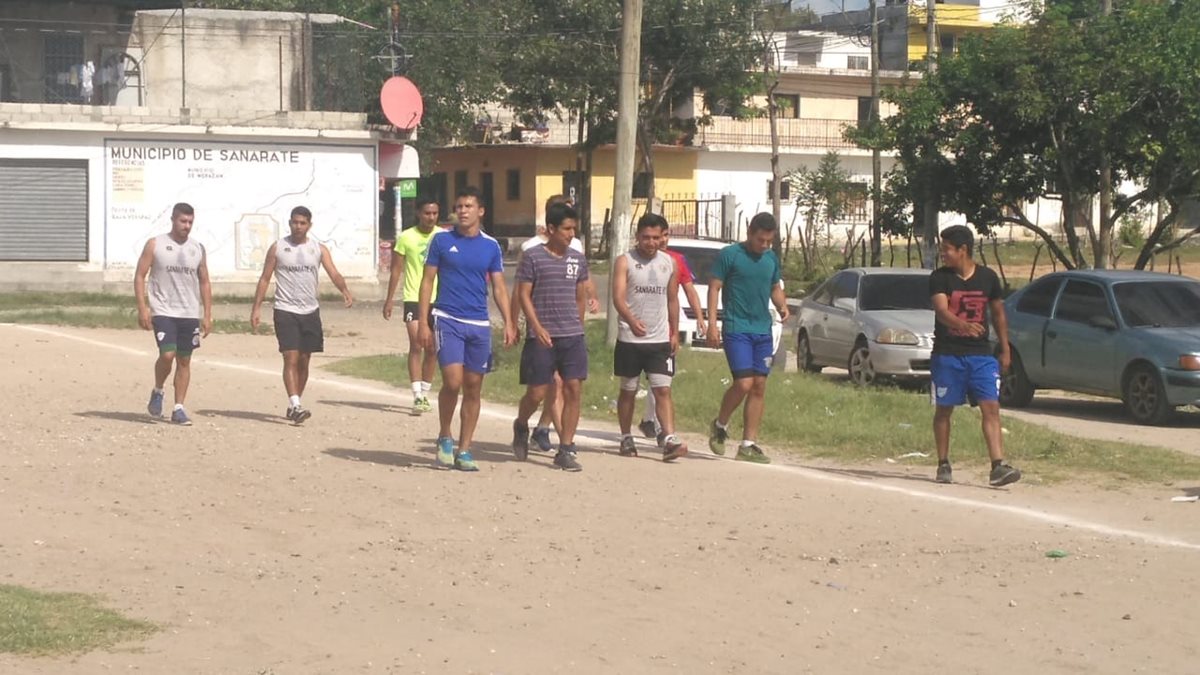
{"x": 470, "y": 191}
{"x": 184, "y": 208}
{"x": 652, "y": 220}
{"x": 959, "y": 236}
{"x": 423, "y": 201}
{"x": 558, "y": 213}
{"x": 302, "y": 211}
{"x": 763, "y": 222}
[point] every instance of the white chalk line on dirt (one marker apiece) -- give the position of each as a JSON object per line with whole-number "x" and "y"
{"x": 1020, "y": 511}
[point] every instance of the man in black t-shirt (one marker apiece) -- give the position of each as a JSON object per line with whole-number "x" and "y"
{"x": 963, "y": 367}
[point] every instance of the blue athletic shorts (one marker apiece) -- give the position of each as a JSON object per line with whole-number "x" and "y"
{"x": 568, "y": 357}
{"x": 463, "y": 344}
{"x": 748, "y": 354}
{"x": 173, "y": 334}
{"x": 956, "y": 379}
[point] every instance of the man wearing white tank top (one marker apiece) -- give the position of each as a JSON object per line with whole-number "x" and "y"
{"x": 295, "y": 261}
{"x": 171, "y": 307}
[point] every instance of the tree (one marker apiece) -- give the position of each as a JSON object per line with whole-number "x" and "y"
{"x": 822, "y": 196}
{"x": 1028, "y": 112}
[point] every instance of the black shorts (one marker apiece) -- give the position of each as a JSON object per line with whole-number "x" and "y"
{"x": 173, "y": 334}
{"x": 412, "y": 310}
{"x": 299, "y": 332}
{"x": 631, "y": 359}
{"x": 568, "y": 357}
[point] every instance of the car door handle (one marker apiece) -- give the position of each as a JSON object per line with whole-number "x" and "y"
{"x": 1051, "y": 334}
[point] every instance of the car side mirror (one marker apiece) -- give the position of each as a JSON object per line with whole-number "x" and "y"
{"x": 844, "y": 303}
{"x": 1103, "y": 321}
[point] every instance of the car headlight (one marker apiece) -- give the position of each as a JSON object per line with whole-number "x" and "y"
{"x": 897, "y": 336}
{"x": 1189, "y": 362}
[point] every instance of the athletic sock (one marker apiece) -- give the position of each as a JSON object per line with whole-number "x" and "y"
{"x": 178, "y": 406}
{"x": 997, "y": 462}
{"x": 719, "y": 425}
{"x": 294, "y": 401}
{"x": 417, "y": 389}
{"x": 624, "y": 436}
{"x": 670, "y": 439}
{"x": 159, "y": 392}
{"x": 746, "y": 444}
{"x": 426, "y": 387}
{"x": 947, "y": 462}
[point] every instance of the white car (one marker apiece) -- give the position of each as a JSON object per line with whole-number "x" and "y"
{"x": 872, "y": 321}
{"x": 700, "y": 254}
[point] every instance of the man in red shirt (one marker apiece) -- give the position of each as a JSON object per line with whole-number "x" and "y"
{"x": 649, "y": 424}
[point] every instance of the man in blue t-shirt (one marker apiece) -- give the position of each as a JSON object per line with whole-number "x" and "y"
{"x": 746, "y": 278}
{"x": 462, "y": 261}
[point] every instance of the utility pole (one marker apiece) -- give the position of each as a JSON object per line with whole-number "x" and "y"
{"x": 627, "y": 122}
{"x": 929, "y": 212}
{"x": 182, "y": 53}
{"x": 1102, "y": 244}
{"x": 876, "y": 161}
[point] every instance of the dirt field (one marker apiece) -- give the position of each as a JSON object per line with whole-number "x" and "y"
{"x": 336, "y": 548}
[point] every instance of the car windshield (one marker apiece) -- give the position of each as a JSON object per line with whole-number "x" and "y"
{"x": 1167, "y": 304}
{"x": 700, "y": 261}
{"x": 894, "y": 291}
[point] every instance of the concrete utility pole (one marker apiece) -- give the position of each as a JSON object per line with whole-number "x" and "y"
{"x": 1102, "y": 244}
{"x": 876, "y": 161}
{"x": 929, "y": 228}
{"x": 627, "y": 120}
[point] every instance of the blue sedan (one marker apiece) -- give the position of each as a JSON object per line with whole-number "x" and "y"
{"x": 1128, "y": 335}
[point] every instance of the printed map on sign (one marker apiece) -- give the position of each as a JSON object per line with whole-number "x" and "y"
{"x": 243, "y": 194}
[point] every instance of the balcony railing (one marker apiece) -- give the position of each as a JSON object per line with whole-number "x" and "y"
{"x": 793, "y": 133}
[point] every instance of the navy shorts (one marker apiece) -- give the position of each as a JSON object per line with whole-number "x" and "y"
{"x": 299, "y": 332}
{"x": 748, "y": 354}
{"x": 568, "y": 357}
{"x": 464, "y": 344}
{"x": 955, "y": 379}
{"x": 173, "y": 334}
{"x": 411, "y": 310}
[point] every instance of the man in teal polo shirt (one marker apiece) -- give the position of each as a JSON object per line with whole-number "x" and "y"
{"x": 746, "y": 277}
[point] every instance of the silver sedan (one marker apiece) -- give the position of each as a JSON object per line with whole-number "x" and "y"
{"x": 875, "y": 322}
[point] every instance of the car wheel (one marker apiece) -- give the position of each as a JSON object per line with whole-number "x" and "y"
{"x": 1016, "y": 391}
{"x": 804, "y": 357}
{"x": 1145, "y": 397}
{"x": 862, "y": 372}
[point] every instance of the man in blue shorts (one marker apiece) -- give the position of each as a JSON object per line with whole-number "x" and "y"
{"x": 462, "y": 261}
{"x": 552, "y": 288}
{"x": 963, "y": 366}
{"x": 171, "y": 306}
{"x": 745, "y": 277}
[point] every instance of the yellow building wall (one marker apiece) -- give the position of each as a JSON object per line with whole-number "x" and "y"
{"x": 498, "y": 161}
{"x": 674, "y": 173}
{"x": 958, "y": 20}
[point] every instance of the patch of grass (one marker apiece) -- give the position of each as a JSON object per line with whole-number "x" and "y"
{"x": 44, "y": 300}
{"x": 35, "y": 623}
{"x": 123, "y": 319}
{"x": 827, "y": 419}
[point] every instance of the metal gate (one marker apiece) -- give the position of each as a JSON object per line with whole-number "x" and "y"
{"x": 43, "y": 209}
{"x": 701, "y": 218}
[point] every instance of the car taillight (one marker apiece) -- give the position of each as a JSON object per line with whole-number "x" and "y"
{"x": 1189, "y": 362}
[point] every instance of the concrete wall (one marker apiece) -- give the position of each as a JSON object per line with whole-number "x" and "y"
{"x": 218, "y": 47}
{"x": 121, "y": 217}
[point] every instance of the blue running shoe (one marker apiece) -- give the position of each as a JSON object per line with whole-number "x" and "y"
{"x": 445, "y": 453}
{"x": 180, "y": 417}
{"x": 541, "y": 438}
{"x": 154, "y": 407}
{"x": 465, "y": 462}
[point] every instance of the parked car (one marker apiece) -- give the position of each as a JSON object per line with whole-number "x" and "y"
{"x": 700, "y": 254}
{"x": 873, "y": 321}
{"x": 1128, "y": 335}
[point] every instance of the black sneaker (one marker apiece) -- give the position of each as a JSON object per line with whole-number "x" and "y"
{"x": 298, "y": 414}
{"x": 520, "y": 444}
{"x": 944, "y": 475}
{"x": 661, "y": 439}
{"x": 648, "y": 428}
{"x": 541, "y": 439}
{"x": 565, "y": 459}
{"x": 628, "y": 447}
{"x": 1003, "y": 474}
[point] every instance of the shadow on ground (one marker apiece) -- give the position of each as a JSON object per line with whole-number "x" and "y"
{"x": 119, "y": 416}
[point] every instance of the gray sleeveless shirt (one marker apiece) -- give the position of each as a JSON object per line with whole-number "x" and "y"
{"x": 174, "y": 286}
{"x": 646, "y": 294}
{"x": 296, "y": 270}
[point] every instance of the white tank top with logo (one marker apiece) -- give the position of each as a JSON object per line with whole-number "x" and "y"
{"x": 646, "y": 294}
{"x": 174, "y": 286}
{"x": 296, "y": 270}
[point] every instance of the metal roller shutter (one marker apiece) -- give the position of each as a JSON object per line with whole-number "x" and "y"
{"x": 43, "y": 209}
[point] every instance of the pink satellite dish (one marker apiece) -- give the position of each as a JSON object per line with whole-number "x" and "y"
{"x": 401, "y": 101}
